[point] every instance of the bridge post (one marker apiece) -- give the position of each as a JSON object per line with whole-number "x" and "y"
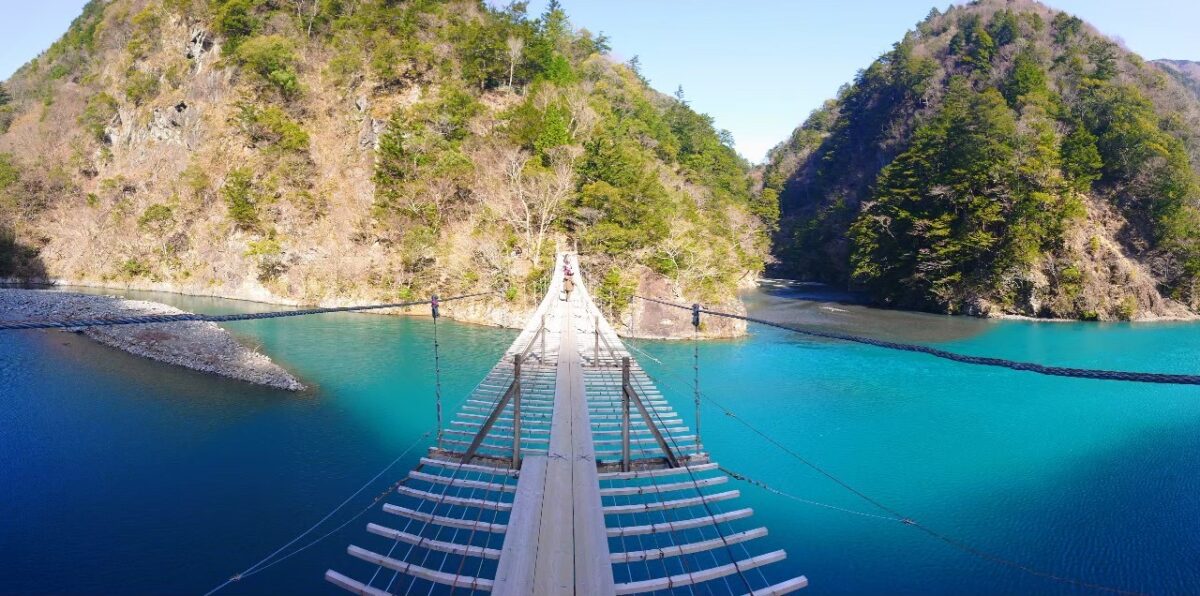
{"x": 696, "y": 368}
{"x": 542, "y": 357}
{"x": 625, "y": 459}
{"x": 596, "y": 350}
{"x": 516, "y": 388}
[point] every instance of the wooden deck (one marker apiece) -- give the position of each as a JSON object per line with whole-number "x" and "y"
{"x": 608, "y": 492}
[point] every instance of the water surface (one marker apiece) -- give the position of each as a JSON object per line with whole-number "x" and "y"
{"x": 121, "y": 475}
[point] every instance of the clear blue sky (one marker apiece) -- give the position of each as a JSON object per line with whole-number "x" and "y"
{"x": 758, "y": 66}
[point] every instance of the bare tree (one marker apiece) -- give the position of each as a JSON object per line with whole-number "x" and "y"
{"x": 532, "y": 200}
{"x": 515, "y": 46}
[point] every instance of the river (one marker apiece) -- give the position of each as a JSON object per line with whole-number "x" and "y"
{"x": 120, "y": 475}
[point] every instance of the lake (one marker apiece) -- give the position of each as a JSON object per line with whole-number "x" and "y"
{"x": 121, "y": 475}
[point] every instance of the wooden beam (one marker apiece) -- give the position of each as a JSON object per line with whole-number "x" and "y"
{"x": 453, "y": 500}
{"x": 462, "y": 482}
{"x": 352, "y": 585}
{"x": 454, "y": 465}
{"x": 675, "y": 526}
{"x": 687, "y": 549}
{"x": 695, "y": 577}
{"x": 454, "y": 548}
{"x": 658, "y": 472}
{"x": 781, "y": 588}
{"x": 447, "y": 579}
{"x": 449, "y": 522}
{"x": 663, "y": 488}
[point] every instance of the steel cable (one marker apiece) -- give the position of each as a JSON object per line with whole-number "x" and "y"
{"x": 202, "y": 318}
{"x": 1057, "y": 371}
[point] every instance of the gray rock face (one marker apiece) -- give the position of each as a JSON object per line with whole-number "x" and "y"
{"x": 199, "y": 346}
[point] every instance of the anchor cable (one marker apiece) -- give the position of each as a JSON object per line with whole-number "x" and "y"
{"x": 202, "y": 318}
{"x": 1057, "y": 371}
{"x": 262, "y": 564}
{"x": 900, "y": 517}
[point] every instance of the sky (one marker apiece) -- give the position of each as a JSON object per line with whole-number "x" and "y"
{"x": 757, "y": 66}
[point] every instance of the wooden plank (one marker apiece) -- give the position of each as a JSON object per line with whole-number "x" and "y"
{"x": 657, "y": 473}
{"x": 453, "y": 548}
{"x": 447, "y": 579}
{"x": 674, "y": 504}
{"x": 554, "y": 566}
{"x": 514, "y": 574}
{"x": 687, "y": 549}
{"x": 663, "y": 488}
{"x": 352, "y": 585}
{"x": 675, "y": 526}
{"x": 781, "y": 588}
{"x": 462, "y": 482}
{"x": 646, "y": 440}
{"x": 453, "y": 465}
{"x": 593, "y": 565}
{"x": 449, "y": 522}
{"x": 695, "y": 577}
{"x": 453, "y": 500}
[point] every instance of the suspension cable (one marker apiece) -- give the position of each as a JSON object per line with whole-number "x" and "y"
{"x": 897, "y": 516}
{"x": 435, "y": 312}
{"x": 1056, "y": 371}
{"x": 696, "y": 368}
{"x": 263, "y": 563}
{"x": 192, "y": 317}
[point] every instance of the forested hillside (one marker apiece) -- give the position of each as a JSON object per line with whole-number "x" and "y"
{"x": 1002, "y": 158}
{"x": 333, "y": 151}
{"x": 1187, "y": 72}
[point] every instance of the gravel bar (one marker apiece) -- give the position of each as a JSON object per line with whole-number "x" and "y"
{"x": 196, "y": 345}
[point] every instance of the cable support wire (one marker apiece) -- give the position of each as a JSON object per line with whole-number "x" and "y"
{"x": 266, "y": 562}
{"x": 202, "y": 318}
{"x": 894, "y": 514}
{"x": 1056, "y": 371}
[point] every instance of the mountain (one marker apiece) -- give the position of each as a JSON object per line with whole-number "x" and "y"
{"x": 1187, "y": 72}
{"x": 1002, "y": 158}
{"x": 336, "y": 152}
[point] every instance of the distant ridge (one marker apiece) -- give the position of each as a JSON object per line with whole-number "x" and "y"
{"x": 1187, "y": 72}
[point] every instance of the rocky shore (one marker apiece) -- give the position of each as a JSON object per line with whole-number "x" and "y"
{"x": 199, "y": 346}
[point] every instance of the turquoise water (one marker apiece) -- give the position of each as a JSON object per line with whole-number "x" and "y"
{"x": 119, "y": 475}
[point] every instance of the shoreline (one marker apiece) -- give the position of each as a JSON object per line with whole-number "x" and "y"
{"x": 195, "y": 345}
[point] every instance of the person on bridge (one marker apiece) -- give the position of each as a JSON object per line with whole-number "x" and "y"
{"x": 568, "y": 282}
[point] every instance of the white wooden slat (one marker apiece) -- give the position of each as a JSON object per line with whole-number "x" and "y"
{"x": 663, "y": 488}
{"x": 462, "y": 482}
{"x": 352, "y": 585}
{"x": 441, "y": 546}
{"x": 675, "y": 526}
{"x": 703, "y": 575}
{"x": 453, "y": 465}
{"x": 687, "y": 549}
{"x": 453, "y": 500}
{"x": 781, "y": 588}
{"x": 447, "y": 579}
{"x": 658, "y": 472}
{"x": 449, "y": 522}
{"x": 673, "y": 504}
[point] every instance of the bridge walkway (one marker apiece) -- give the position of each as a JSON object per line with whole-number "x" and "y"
{"x": 570, "y": 512}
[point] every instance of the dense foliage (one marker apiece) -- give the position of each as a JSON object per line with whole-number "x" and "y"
{"x": 431, "y": 143}
{"x": 958, "y": 170}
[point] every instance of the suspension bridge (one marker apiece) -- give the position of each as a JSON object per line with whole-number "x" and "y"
{"x": 566, "y": 471}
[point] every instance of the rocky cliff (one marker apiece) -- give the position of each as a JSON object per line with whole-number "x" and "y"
{"x": 1003, "y": 158}
{"x": 342, "y": 152}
